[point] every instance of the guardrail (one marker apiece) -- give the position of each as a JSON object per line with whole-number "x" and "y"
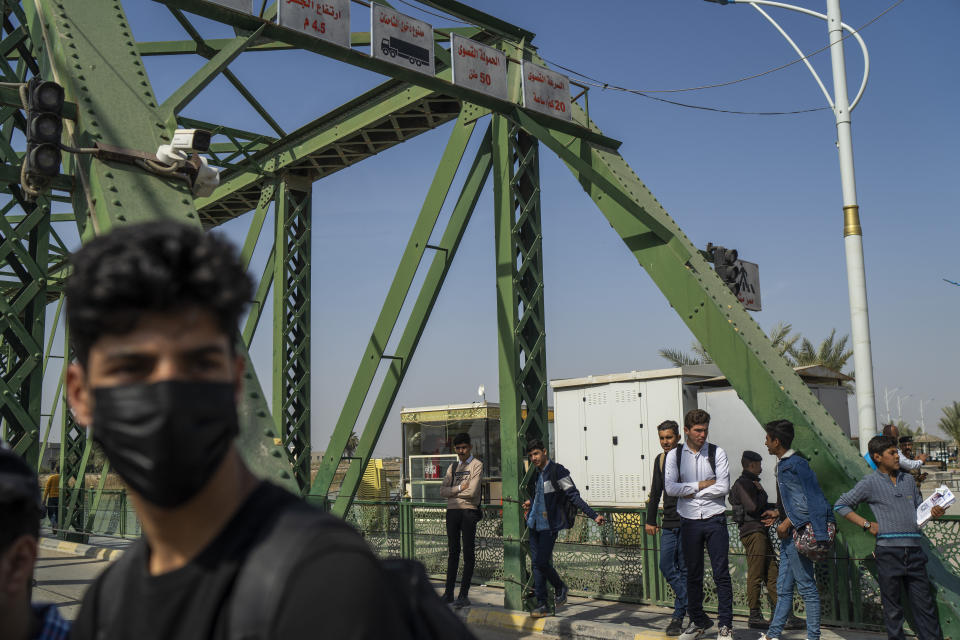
{"x": 617, "y": 560}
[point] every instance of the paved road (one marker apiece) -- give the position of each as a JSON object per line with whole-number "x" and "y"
{"x": 64, "y": 578}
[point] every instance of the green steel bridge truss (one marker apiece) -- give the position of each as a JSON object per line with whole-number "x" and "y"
{"x": 88, "y": 48}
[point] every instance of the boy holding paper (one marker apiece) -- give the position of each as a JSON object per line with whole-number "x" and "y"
{"x": 893, "y": 496}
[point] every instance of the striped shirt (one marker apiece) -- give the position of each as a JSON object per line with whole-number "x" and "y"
{"x": 895, "y": 507}
{"x": 52, "y": 626}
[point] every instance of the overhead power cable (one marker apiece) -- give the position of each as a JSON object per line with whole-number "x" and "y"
{"x": 732, "y": 82}
{"x": 644, "y": 93}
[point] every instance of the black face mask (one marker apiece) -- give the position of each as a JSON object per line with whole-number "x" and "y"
{"x": 166, "y": 439}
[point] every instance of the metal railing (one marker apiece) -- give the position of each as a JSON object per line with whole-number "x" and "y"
{"x": 617, "y": 560}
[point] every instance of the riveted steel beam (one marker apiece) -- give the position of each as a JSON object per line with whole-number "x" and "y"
{"x": 291, "y": 323}
{"x": 417, "y": 322}
{"x": 386, "y": 322}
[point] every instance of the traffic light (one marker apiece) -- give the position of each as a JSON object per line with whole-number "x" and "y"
{"x": 44, "y": 128}
{"x": 724, "y": 263}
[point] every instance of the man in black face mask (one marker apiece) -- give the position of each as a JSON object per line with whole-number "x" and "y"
{"x": 153, "y": 311}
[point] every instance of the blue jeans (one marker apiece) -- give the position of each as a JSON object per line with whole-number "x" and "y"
{"x": 673, "y": 569}
{"x": 795, "y": 569}
{"x": 710, "y": 534}
{"x": 541, "y": 551}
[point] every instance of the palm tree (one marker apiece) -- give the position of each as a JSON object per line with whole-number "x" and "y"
{"x": 352, "y": 443}
{"x": 780, "y": 338}
{"x": 831, "y": 353}
{"x": 950, "y": 422}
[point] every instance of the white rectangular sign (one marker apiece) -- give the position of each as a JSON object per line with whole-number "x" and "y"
{"x": 401, "y": 39}
{"x": 237, "y": 5}
{"x": 546, "y": 91}
{"x": 747, "y": 286}
{"x": 323, "y": 19}
{"x": 479, "y": 67}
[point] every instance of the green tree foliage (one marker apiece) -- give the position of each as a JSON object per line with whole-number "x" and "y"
{"x": 950, "y": 422}
{"x": 794, "y": 348}
{"x": 352, "y": 443}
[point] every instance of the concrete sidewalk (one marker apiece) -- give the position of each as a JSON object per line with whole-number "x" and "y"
{"x": 589, "y": 619}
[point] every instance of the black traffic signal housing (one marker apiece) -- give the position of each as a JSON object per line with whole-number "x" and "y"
{"x": 44, "y": 128}
{"x": 724, "y": 263}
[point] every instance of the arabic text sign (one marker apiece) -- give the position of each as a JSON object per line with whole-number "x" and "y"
{"x": 479, "y": 67}
{"x": 401, "y": 39}
{"x": 546, "y": 91}
{"x": 747, "y": 287}
{"x": 323, "y": 19}
{"x": 237, "y": 5}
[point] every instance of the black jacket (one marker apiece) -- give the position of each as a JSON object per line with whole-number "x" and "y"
{"x": 748, "y": 492}
{"x": 671, "y": 519}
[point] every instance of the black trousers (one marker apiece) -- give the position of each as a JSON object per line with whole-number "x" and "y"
{"x": 461, "y": 524}
{"x": 710, "y": 534}
{"x": 907, "y": 567}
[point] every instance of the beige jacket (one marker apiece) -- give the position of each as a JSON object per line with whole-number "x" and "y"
{"x": 461, "y": 484}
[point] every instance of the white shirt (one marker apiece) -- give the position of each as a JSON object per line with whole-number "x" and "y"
{"x": 907, "y": 464}
{"x": 696, "y": 504}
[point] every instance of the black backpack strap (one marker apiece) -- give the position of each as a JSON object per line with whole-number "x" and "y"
{"x": 679, "y": 458}
{"x": 712, "y": 456}
{"x": 259, "y": 590}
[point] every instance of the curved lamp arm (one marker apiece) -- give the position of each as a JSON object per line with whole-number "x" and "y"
{"x": 853, "y": 32}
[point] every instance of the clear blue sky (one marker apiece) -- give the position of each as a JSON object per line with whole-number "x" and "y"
{"x": 769, "y": 186}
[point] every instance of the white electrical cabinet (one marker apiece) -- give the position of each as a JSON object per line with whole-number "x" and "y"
{"x": 606, "y": 426}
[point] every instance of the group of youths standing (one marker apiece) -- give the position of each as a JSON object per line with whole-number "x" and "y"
{"x": 694, "y": 479}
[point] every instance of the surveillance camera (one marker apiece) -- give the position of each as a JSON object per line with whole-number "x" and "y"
{"x": 207, "y": 180}
{"x": 191, "y": 140}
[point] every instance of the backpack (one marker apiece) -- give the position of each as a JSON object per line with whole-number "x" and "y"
{"x": 711, "y": 457}
{"x": 570, "y": 510}
{"x": 258, "y": 590}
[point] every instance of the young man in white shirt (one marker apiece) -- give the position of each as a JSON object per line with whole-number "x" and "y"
{"x": 699, "y": 475}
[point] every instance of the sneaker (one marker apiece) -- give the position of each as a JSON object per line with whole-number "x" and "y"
{"x": 724, "y": 633}
{"x": 693, "y": 631}
{"x": 461, "y": 602}
{"x": 561, "y": 596}
{"x": 764, "y": 636}
{"x": 541, "y": 611}
{"x": 675, "y": 628}
{"x": 795, "y": 624}
{"x": 447, "y": 598}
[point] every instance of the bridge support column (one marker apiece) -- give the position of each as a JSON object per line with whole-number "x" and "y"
{"x": 522, "y": 335}
{"x": 291, "y": 326}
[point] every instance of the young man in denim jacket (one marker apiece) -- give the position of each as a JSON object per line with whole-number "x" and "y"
{"x": 803, "y": 505}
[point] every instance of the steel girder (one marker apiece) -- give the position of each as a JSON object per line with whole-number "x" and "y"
{"x": 399, "y": 361}
{"x": 522, "y": 336}
{"x": 24, "y": 248}
{"x": 291, "y": 322}
{"x": 88, "y": 49}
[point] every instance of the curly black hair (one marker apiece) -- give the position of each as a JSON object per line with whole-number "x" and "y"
{"x": 152, "y": 267}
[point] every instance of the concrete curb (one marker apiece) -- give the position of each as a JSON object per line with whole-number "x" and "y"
{"x": 77, "y": 549}
{"x": 557, "y": 626}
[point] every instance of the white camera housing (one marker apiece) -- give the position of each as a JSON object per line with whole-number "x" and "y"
{"x": 191, "y": 140}
{"x": 207, "y": 180}
{"x": 170, "y": 156}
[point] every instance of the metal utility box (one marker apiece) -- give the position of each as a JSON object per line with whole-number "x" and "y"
{"x": 428, "y": 434}
{"x": 606, "y": 426}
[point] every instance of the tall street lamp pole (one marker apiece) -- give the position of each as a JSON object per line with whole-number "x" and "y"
{"x": 852, "y": 231}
